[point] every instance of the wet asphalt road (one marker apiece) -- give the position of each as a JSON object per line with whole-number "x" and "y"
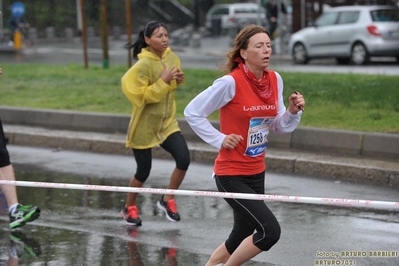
{"x": 79, "y": 227}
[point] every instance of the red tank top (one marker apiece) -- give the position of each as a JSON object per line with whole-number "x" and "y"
{"x": 246, "y": 115}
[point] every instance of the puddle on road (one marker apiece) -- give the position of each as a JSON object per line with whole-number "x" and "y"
{"x": 65, "y": 233}
{"x": 79, "y": 227}
{"x": 43, "y": 246}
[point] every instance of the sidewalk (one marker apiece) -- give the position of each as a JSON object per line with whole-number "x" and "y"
{"x": 330, "y": 154}
{"x": 210, "y": 48}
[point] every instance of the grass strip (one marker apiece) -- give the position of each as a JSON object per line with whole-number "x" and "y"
{"x": 336, "y": 101}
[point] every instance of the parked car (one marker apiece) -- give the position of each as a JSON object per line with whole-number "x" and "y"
{"x": 351, "y": 34}
{"x": 223, "y": 18}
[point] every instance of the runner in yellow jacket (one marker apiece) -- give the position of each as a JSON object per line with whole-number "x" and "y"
{"x": 150, "y": 85}
{"x": 154, "y": 107}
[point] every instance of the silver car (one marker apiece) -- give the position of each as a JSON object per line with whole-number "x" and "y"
{"x": 222, "y": 18}
{"x": 351, "y": 34}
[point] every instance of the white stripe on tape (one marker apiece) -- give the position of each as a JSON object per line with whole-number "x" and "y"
{"x": 214, "y": 194}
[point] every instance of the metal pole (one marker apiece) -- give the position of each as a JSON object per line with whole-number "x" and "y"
{"x": 78, "y": 17}
{"x": 129, "y": 33}
{"x": 1, "y": 20}
{"x": 279, "y": 26}
{"x": 259, "y": 2}
{"x": 303, "y": 14}
{"x": 104, "y": 33}
{"x": 84, "y": 41}
{"x": 196, "y": 15}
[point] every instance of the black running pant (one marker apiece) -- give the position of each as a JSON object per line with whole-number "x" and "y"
{"x": 4, "y": 156}
{"x": 249, "y": 215}
{"x": 175, "y": 144}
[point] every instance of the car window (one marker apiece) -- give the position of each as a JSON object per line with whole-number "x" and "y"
{"x": 246, "y": 10}
{"x": 221, "y": 11}
{"x": 327, "y": 19}
{"x": 385, "y": 15}
{"x": 347, "y": 17}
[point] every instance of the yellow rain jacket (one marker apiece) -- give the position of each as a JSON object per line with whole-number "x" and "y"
{"x": 153, "y": 101}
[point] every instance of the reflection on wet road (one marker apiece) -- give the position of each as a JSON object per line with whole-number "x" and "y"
{"x": 79, "y": 227}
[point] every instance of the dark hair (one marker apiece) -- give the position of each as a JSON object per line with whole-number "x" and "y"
{"x": 241, "y": 42}
{"x": 147, "y": 32}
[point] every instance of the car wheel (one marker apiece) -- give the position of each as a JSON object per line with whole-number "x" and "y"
{"x": 299, "y": 54}
{"x": 359, "y": 55}
{"x": 343, "y": 60}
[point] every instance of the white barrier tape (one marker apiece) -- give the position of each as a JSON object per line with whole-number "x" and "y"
{"x": 214, "y": 194}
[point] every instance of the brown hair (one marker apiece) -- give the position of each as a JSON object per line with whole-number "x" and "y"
{"x": 241, "y": 42}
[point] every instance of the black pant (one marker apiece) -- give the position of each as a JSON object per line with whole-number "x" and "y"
{"x": 4, "y": 156}
{"x": 272, "y": 28}
{"x": 249, "y": 215}
{"x": 175, "y": 144}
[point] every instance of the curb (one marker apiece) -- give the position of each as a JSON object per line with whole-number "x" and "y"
{"x": 339, "y": 168}
{"x": 340, "y": 142}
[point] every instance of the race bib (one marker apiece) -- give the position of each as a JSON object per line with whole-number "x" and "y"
{"x": 257, "y": 136}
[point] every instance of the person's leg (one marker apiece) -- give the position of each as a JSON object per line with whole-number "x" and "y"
{"x": 129, "y": 211}
{"x": 10, "y": 192}
{"x": 7, "y": 171}
{"x": 220, "y": 255}
{"x": 176, "y": 145}
{"x": 131, "y": 196}
{"x": 144, "y": 162}
{"x": 267, "y": 234}
{"x": 241, "y": 228}
{"x": 267, "y": 230}
{"x": 246, "y": 251}
{"x": 19, "y": 214}
{"x": 272, "y": 29}
{"x": 11, "y": 37}
{"x": 250, "y": 216}
{"x": 12, "y": 261}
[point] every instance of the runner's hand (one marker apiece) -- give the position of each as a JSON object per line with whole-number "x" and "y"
{"x": 180, "y": 76}
{"x": 296, "y": 103}
{"x": 231, "y": 141}
{"x": 169, "y": 74}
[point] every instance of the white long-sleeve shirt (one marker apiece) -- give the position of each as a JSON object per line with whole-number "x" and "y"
{"x": 220, "y": 93}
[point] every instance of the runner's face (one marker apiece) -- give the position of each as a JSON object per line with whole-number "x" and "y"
{"x": 159, "y": 41}
{"x": 258, "y": 53}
